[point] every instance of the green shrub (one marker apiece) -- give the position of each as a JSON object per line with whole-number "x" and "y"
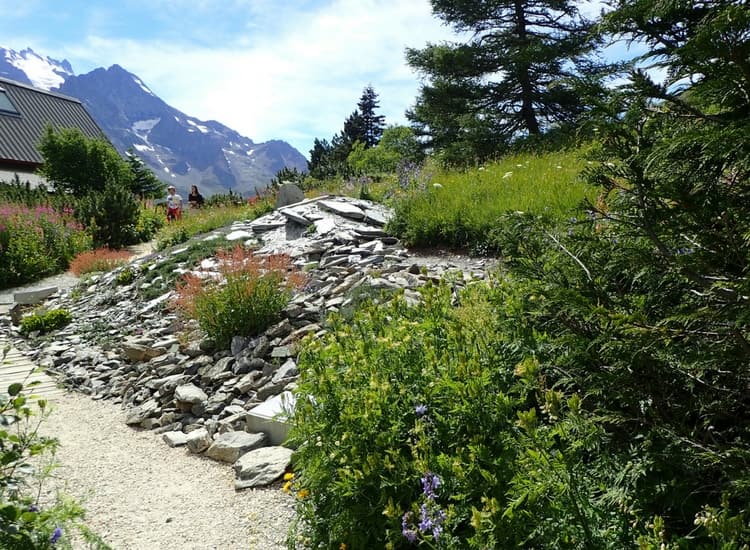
{"x": 150, "y": 221}
{"x": 24, "y": 523}
{"x": 45, "y": 322}
{"x": 111, "y": 215}
{"x": 250, "y": 296}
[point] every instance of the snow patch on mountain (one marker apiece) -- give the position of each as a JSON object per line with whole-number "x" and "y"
{"x": 200, "y": 127}
{"x": 144, "y": 87}
{"x": 141, "y": 128}
{"x": 43, "y": 73}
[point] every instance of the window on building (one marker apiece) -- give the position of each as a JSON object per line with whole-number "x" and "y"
{"x": 6, "y": 105}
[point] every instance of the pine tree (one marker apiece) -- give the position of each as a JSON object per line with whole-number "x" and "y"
{"x": 516, "y": 75}
{"x": 145, "y": 184}
{"x": 372, "y": 124}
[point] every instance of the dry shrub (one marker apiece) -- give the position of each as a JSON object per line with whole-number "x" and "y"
{"x": 101, "y": 259}
{"x": 247, "y": 296}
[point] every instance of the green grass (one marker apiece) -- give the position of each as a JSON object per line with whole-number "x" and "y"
{"x": 460, "y": 208}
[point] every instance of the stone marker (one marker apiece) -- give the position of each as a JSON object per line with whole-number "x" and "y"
{"x": 289, "y": 193}
{"x": 270, "y": 417}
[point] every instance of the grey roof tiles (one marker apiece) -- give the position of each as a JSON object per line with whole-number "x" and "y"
{"x": 20, "y": 133}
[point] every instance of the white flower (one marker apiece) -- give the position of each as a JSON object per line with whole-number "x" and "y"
{"x": 507, "y": 175}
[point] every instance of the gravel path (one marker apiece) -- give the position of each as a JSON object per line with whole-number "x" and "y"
{"x": 140, "y": 494}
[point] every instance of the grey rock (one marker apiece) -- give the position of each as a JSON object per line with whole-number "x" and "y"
{"x": 288, "y": 194}
{"x": 198, "y": 440}
{"x": 138, "y": 414}
{"x": 230, "y": 446}
{"x": 238, "y": 344}
{"x": 343, "y": 208}
{"x": 138, "y": 352}
{"x": 261, "y": 467}
{"x": 189, "y": 394}
{"x": 287, "y": 370}
{"x": 175, "y": 439}
{"x": 36, "y": 296}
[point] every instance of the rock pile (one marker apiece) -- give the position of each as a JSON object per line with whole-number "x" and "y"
{"x": 170, "y": 379}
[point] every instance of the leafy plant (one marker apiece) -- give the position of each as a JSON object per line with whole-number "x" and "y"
{"x": 24, "y": 522}
{"x": 47, "y": 321}
{"x": 250, "y": 294}
{"x": 430, "y": 424}
{"x": 126, "y": 276}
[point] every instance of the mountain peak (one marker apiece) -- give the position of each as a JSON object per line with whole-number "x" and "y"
{"x": 30, "y": 67}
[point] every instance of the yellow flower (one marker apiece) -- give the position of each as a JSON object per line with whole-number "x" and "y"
{"x": 288, "y": 476}
{"x": 343, "y": 546}
{"x": 287, "y": 488}
{"x": 302, "y": 493}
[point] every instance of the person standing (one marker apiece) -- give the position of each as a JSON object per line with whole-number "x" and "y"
{"x": 174, "y": 204}
{"x": 195, "y": 199}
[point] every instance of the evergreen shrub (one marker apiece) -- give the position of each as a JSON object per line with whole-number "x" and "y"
{"x": 46, "y": 321}
{"x": 111, "y": 215}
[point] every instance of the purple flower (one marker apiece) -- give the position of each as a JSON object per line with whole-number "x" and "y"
{"x": 425, "y": 523}
{"x": 430, "y": 484}
{"x": 409, "y": 534}
{"x": 421, "y": 410}
{"x": 33, "y": 508}
{"x": 56, "y": 534}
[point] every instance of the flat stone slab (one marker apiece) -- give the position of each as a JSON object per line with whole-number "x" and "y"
{"x": 295, "y": 216}
{"x": 30, "y": 297}
{"x": 240, "y": 234}
{"x": 344, "y": 209}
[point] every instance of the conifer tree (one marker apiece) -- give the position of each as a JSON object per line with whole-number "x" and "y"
{"x": 372, "y": 124}
{"x": 517, "y": 74}
{"x": 145, "y": 184}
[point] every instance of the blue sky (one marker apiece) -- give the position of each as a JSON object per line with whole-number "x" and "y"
{"x": 270, "y": 69}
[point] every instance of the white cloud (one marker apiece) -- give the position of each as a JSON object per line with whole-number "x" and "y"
{"x": 295, "y": 84}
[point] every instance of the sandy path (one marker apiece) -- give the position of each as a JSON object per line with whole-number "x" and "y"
{"x": 141, "y": 494}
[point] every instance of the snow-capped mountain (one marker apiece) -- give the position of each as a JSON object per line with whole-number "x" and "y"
{"x": 180, "y": 149}
{"x": 31, "y": 68}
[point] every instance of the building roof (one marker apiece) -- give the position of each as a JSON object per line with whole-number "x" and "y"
{"x": 25, "y": 112}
